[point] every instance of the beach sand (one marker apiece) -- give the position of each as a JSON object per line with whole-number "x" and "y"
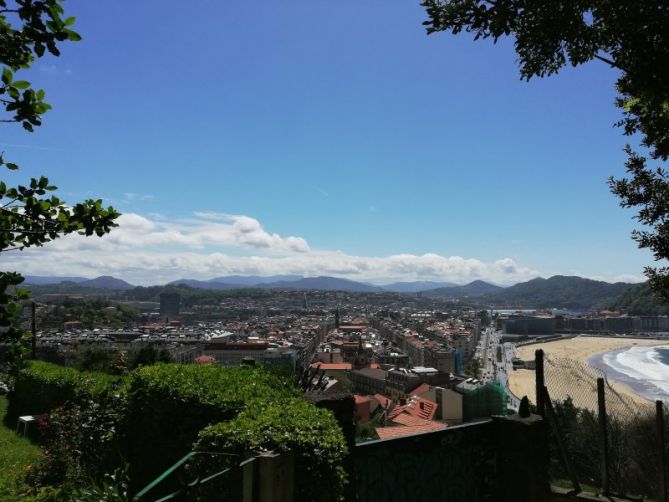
{"x": 568, "y": 373}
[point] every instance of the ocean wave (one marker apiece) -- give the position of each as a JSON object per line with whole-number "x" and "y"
{"x": 643, "y": 366}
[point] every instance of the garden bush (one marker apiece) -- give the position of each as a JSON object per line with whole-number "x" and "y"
{"x": 170, "y": 403}
{"x": 311, "y": 433}
{"x": 151, "y": 418}
{"x": 81, "y": 442}
{"x": 41, "y": 387}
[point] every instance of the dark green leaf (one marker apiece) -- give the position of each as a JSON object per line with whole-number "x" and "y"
{"x": 6, "y": 75}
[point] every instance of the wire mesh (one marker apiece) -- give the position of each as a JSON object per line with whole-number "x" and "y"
{"x": 634, "y": 445}
{"x": 568, "y": 379}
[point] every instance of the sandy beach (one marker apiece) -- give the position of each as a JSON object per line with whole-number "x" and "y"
{"x": 568, "y": 373}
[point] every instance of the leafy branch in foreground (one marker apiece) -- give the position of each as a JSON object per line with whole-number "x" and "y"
{"x": 649, "y": 189}
{"x": 32, "y": 215}
{"x": 628, "y": 36}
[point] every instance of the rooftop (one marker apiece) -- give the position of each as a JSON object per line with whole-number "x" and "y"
{"x": 409, "y": 430}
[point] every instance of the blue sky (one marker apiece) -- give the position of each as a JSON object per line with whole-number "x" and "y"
{"x": 340, "y": 124}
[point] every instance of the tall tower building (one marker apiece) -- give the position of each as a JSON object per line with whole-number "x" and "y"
{"x": 169, "y": 306}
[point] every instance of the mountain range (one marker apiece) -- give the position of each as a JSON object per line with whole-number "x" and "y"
{"x": 562, "y": 291}
{"x": 473, "y": 289}
{"x": 416, "y": 286}
{"x": 281, "y": 282}
{"x": 569, "y": 292}
{"x": 102, "y": 282}
{"x": 559, "y": 291}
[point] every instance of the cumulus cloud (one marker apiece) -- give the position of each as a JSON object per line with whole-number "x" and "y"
{"x": 136, "y": 232}
{"x": 154, "y": 250}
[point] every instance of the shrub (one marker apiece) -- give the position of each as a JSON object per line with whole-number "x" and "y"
{"x": 633, "y": 456}
{"x": 151, "y": 419}
{"x": 170, "y": 403}
{"x": 41, "y": 387}
{"x": 81, "y": 441}
{"x": 292, "y": 425}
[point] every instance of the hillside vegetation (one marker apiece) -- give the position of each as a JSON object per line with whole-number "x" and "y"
{"x": 561, "y": 291}
{"x": 639, "y": 300}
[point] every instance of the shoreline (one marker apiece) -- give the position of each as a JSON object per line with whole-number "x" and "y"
{"x": 570, "y": 373}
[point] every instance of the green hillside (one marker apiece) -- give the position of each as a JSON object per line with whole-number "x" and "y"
{"x": 639, "y": 300}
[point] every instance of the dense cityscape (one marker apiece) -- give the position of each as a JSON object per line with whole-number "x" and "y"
{"x": 412, "y": 362}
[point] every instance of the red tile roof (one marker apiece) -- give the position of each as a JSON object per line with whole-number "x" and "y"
{"x": 401, "y": 431}
{"x": 409, "y": 420}
{"x": 332, "y": 366}
{"x": 416, "y": 407}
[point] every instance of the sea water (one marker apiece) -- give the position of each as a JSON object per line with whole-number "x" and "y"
{"x": 644, "y": 369}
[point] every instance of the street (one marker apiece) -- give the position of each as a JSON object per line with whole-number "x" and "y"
{"x": 493, "y": 370}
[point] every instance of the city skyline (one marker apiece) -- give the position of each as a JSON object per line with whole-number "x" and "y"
{"x": 323, "y": 139}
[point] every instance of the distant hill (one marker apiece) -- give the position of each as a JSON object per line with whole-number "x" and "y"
{"x": 477, "y": 288}
{"x": 322, "y": 283}
{"x": 639, "y": 300}
{"x": 556, "y": 292}
{"x": 78, "y": 286}
{"x": 210, "y": 284}
{"x": 416, "y": 286}
{"x": 560, "y": 291}
{"x": 106, "y": 282}
{"x": 253, "y": 280}
{"x": 43, "y": 279}
{"x": 473, "y": 289}
{"x": 326, "y": 284}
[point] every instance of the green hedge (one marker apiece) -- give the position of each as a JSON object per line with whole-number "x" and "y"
{"x": 153, "y": 417}
{"x": 170, "y": 403}
{"x": 292, "y": 425}
{"x": 41, "y": 387}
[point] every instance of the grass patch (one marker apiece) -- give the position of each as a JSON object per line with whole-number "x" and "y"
{"x": 16, "y": 453}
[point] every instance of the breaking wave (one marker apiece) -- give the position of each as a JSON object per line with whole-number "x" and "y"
{"x": 645, "y": 369}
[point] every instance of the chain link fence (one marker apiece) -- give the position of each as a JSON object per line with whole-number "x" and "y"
{"x": 604, "y": 439}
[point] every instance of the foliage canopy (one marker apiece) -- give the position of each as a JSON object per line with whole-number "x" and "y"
{"x": 30, "y": 214}
{"x": 632, "y": 37}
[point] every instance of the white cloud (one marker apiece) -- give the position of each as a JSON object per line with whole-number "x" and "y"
{"x": 153, "y": 250}
{"x": 136, "y": 197}
{"x": 618, "y": 278}
{"x": 139, "y": 233}
{"x": 54, "y": 70}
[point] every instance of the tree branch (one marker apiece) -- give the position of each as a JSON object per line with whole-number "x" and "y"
{"x": 21, "y": 231}
{"x": 9, "y": 203}
{"x": 22, "y": 216}
{"x": 607, "y": 61}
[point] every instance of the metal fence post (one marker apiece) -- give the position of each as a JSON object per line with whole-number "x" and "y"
{"x": 603, "y": 436}
{"x": 659, "y": 415}
{"x": 552, "y": 421}
{"x": 540, "y": 383}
